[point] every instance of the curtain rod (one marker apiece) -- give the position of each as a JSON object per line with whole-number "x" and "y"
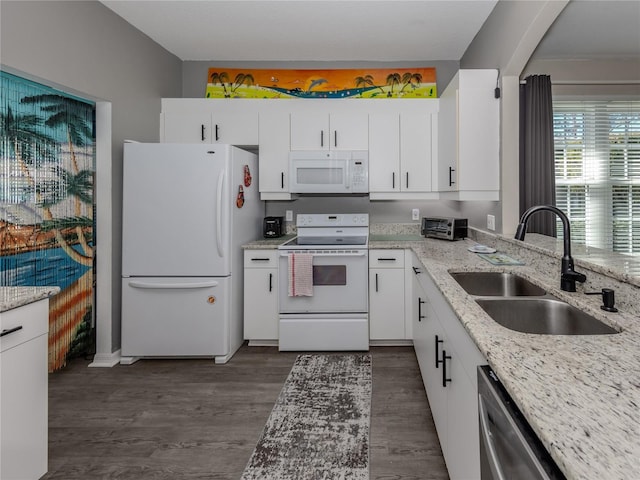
{"x": 591, "y": 82}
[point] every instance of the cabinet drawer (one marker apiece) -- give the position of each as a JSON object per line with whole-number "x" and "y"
{"x": 391, "y": 258}
{"x": 261, "y": 258}
{"x": 29, "y": 321}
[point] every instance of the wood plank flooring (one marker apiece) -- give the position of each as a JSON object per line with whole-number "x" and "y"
{"x": 192, "y": 419}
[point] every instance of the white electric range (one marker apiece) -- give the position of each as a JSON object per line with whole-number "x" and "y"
{"x": 335, "y": 315}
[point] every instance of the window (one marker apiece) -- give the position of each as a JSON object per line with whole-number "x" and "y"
{"x": 597, "y": 164}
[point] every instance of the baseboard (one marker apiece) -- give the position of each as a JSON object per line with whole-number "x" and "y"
{"x": 391, "y": 343}
{"x": 105, "y": 360}
{"x": 263, "y": 343}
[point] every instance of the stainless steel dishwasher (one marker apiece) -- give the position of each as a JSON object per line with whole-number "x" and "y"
{"x": 509, "y": 448}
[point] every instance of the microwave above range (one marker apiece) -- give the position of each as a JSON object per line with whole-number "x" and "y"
{"x": 337, "y": 172}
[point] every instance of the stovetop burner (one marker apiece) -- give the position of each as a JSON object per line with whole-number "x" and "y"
{"x": 328, "y": 241}
{"x": 317, "y": 231}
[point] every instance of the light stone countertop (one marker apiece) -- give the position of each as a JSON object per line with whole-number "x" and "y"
{"x": 580, "y": 393}
{"x": 14, "y": 297}
{"x": 266, "y": 243}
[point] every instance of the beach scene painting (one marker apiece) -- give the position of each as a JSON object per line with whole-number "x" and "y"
{"x": 47, "y": 168}
{"x": 345, "y": 83}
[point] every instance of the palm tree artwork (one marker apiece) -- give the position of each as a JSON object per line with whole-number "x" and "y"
{"x": 77, "y": 184}
{"x": 46, "y": 202}
{"x": 222, "y": 79}
{"x": 223, "y": 82}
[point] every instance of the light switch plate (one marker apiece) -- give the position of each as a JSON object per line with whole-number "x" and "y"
{"x": 415, "y": 214}
{"x": 491, "y": 222}
{"x": 289, "y": 215}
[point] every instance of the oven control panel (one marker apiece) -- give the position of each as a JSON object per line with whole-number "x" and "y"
{"x": 332, "y": 220}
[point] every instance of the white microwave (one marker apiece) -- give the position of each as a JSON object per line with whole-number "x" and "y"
{"x": 327, "y": 171}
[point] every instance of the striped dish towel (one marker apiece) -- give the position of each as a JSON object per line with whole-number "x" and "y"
{"x": 300, "y": 275}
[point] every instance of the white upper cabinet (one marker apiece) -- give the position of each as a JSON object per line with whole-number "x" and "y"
{"x": 208, "y": 121}
{"x": 401, "y": 152}
{"x": 185, "y": 128}
{"x": 401, "y": 136}
{"x": 384, "y": 153}
{"x": 273, "y": 160}
{"x": 329, "y": 131}
{"x": 468, "y": 165}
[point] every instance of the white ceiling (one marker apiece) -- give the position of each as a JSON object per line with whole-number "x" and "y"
{"x": 365, "y": 30}
{"x": 303, "y": 30}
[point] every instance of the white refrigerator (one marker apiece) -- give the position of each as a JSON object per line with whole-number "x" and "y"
{"x": 187, "y": 210}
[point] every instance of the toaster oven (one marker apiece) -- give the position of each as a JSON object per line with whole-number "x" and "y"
{"x": 446, "y": 228}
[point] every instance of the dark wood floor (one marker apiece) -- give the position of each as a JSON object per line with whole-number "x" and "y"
{"x": 192, "y": 419}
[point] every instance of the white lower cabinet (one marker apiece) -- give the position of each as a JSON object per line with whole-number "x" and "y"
{"x": 386, "y": 294}
{"x": 260, "y": 296}
{"x": 448, "y": 359}
{"x": 23, "y": 391}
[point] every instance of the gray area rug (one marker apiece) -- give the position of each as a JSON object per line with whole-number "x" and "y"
{"x": 319, "y": 426}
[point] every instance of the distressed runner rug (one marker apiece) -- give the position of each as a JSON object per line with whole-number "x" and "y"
{"x": 319, "y": 426}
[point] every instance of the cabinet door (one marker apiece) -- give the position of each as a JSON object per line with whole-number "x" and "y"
{"x": 23, "y": 409}
{"x": 415, "y": 152}
{"x": 463, "y": 456}
{"x": 349, "y": 131}
{"x": 478, "y": 142}
{"x": 310, "y": 131}
{"x": 448, "y": 138}
{"x": 235, "y": 128}
{"x": 384, "y": 152}
{"x": 434, "y": 345}
{"x": 386, "y": 304}
{"x": 261, "y": 304}
{"x": 187, "y": 128}
{"x": 261, "y": 295}
{"x": 321, "y": 131}
{"x": 273, "y": 174}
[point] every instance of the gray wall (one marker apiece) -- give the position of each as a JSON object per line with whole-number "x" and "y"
{"x": 84, "y": 48}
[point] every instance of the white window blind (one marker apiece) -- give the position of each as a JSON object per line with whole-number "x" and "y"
{"x": 597, "y": 163}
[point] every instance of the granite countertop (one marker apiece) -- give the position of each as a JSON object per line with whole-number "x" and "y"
{"x": 267, "y": 243}
{"x": 580, "y": 394}
{"x": 14, "y": 297}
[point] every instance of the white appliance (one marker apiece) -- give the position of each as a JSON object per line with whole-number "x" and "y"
{"x": 344, "y": 172}
{"x": 335, "y": 316}
{"x": 187, "y": 209}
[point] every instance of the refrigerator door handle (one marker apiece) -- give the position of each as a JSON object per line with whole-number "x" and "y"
{"x": 136, "y": 284}
{"x": 219, "y": 215}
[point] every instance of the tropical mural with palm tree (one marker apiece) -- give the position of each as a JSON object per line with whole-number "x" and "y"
{"x": 345, "y": 83}
{"x": 47, "y": 165}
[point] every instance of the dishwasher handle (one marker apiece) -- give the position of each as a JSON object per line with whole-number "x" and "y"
{"x": 494, "y": 463}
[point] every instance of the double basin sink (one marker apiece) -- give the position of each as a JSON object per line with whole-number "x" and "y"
{"x": 517, "y": 304}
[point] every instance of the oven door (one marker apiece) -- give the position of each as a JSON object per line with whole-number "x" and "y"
{"x": 340, "y": 282}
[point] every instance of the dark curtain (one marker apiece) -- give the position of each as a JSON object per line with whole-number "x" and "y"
{"x": 537, "y": 169}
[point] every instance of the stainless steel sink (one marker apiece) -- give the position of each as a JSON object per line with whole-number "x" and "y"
{"x": 543, "y": 316}
{"x": 496, "y": 284}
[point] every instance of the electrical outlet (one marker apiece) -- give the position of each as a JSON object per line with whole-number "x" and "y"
{"x": 415, "y": 214}
{"x": 491, "y": 222}
{"x": 289, "y": 215}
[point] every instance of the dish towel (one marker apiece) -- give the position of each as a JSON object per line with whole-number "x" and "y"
{"x": 300, "y": 275}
